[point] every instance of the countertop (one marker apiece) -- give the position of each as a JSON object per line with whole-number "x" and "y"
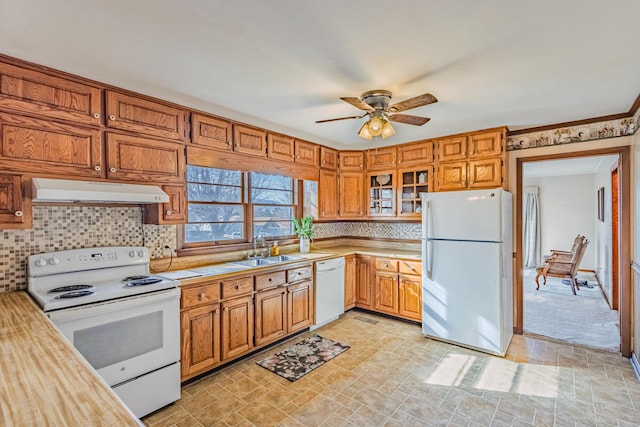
{"x": 44, "y": 380}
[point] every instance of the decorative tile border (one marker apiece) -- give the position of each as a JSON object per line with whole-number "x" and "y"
{"x": 402, "y": 230}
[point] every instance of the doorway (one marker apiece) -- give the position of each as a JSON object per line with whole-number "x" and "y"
{"x": 623, "y": 238}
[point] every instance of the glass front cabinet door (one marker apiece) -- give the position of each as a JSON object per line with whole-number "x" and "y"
{"x": 411, "y": 183}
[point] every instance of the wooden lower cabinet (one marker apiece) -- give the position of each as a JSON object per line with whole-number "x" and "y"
{"x": 300, "y": 306}
{"x": 410, "y": 297}
{"x": 237, "y": 326}
{"x": 271, "y": 315}
{"x": 200, "y": 329}
{"x": 349, "y": 282}
{"x": 386, "y": 292}
{"x": 364, "y": 294}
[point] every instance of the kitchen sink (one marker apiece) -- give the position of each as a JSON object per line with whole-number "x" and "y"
{"x": 283, "y": 258}
{"x": 254, "y": 262}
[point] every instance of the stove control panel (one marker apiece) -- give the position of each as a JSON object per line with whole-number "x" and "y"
{"x": 97, "y": 257}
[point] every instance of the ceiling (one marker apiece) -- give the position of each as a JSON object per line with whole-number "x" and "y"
{"x": 566, "y": 167}
{"x": 283, "y": 64}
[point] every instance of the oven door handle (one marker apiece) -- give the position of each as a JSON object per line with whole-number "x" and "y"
{"x": 74, "y": 313}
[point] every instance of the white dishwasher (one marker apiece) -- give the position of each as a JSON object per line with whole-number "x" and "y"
{"x": 329, "y": 290}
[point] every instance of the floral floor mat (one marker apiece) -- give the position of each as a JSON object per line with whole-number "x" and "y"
{"x": 298, "y": 360}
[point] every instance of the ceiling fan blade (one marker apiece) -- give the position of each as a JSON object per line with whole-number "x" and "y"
{"x": 358, "y": 103}
{"x": 410, "y": 103}
{"x": 408, "y": 119}
{"x": 341, "y": 118}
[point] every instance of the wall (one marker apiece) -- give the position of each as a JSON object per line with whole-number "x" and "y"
{"x": 635, "y": 252}
{"x": 566, "y": 209}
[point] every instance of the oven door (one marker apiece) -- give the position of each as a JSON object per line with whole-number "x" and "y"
{"x": 123, "y": 339}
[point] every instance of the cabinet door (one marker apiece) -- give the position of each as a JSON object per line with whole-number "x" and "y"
{"x": 148, "y": 117}
{"x": 364, "y": 297}
{"x": 350, "y": 282}
{"x": 300, "y": 306}
{"x": 386, "y": 292}
{"x": 328, "y": 158}
{"x": 211, "y": 132}
{"x": 200, "y": 330}
{"x": 328, "y": 194}
{"x": 175, "y": 210}
{"x": 351, "y": 160}
{"x": 271, "y": 315}
{"x": 280, "y": 147}
{"x": 411, "y": 183}
{"x": 33, "y": 92}
{"x": 414, "y": 154}
{"x": 351, "y": 194}
{"x": 237, "y": 327}
{"x": 452, "y": 176}
{"x": 410, "y": 297}
{"x": 381, "y": 193}
{"x": 143, "y": 159}
{"x": 46, "y": 147}
{"x": 249, "y": 140}
{"x": 485, "y": 173}
{"x": 451, "y": 149}
{"x": 12, "y": 207}
{"x": 381, "y": 158}
{"x": 307, "y": 153}
{"x": 488, "y": 144}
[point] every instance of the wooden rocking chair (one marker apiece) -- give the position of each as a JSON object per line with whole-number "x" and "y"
{"x": 563, "y": 267}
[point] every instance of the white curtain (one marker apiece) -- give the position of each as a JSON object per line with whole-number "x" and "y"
{"x": 531, "y": 228}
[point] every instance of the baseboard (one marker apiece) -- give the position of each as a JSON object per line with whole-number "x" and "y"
{"x": 604, "y": 294}
{"x": 635, "y": 364}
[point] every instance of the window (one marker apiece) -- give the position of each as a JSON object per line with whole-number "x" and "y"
{"x": 216, "y": 211}
{"x": 273, "y": 199}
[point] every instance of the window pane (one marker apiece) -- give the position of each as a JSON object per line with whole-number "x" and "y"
{"x": 274, "y": 213}
{"x": 214, "y": 193}
{"x": 276, "y": 182}
{"x": 275, "y": 197}
{"x": 273, "y": 228}
{"x": 215, "y": 213}
{"x": 211, "y": 175}
{"x": 213, "y": 232}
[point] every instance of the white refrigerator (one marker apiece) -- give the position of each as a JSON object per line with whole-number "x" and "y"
{"x": 466, "y": 269}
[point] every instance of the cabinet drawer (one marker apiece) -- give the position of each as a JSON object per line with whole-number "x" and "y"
{"x": 298, "y": 274}
{"x": 410, "y": 267}
{"x": 235, "y": 287}
{"x": 269, "y": 280}
{"x": 200, "y": 294}
{"x": 386, "y": 264}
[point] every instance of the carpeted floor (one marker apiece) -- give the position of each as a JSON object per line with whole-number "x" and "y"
{"x": 583, "y": 319}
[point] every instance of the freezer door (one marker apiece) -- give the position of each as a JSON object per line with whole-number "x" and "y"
{"x": 462, "y": 299}
{"x": 463, "y": 215}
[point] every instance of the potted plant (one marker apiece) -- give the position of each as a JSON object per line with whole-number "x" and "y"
{"x": 303, "y": 227}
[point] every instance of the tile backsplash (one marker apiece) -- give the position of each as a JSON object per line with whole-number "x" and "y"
{"x": 57, "y": 228}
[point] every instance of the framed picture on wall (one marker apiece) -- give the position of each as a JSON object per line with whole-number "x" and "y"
{"x": 601, "y": 204}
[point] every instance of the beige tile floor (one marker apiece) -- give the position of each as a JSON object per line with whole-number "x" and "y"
{"x": 393, "y": 376}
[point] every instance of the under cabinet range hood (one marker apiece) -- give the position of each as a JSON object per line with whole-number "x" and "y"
{"x": 63, "y": 190}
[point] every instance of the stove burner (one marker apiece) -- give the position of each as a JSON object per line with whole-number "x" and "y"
{"x": 143, "y": 282}
{"x": 74, "y": 294}
{"x": 70, "y": 288}
{"x": 130, "y": 278}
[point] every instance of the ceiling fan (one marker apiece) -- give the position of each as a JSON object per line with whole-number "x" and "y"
{"x": 376, "y": 105}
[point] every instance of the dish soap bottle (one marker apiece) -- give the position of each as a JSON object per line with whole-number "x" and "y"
{"x": 275, "y": 249}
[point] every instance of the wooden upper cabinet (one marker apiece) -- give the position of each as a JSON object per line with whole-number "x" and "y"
{"x": 280, "y": 147}
{"x": 415, "y": 154}
{"x": 452, "y": 149}
{"x": 351, "y": 195}
{"x": 486, "y": 144}
{"x": 452, "y": 176}
{"x": 328, "y": 158}
{"x": 328, "y": 194}
{"x": 47, "y": 147}
{"x": 34, "y": 92}
{"x": 144, "y": 160}
{"x": 14, "y": 212}
{"x": 381, "y": 158}
{"x": 249, "y": 140}
{"x": 211, "y": 132}
{"x": 172, "y": 212}
{"x": 147, "y": 117}
{"x": 351, "y": 160}
{"x": 306, "y": 153}
{"x": 485, "y": 173}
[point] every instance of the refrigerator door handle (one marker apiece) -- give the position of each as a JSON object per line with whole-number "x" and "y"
{"x": 425, "y": 231}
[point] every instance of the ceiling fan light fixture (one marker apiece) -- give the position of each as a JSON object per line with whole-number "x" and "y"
{"x": 387, "y": 130}
{"x": 375, "y": 126}
{"x": 364, "y": 132}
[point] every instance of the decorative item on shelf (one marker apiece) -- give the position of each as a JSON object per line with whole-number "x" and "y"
{"x": 303, "y": 227}
{"x": 383, "y": 179}
{"x": 422, "y": 178}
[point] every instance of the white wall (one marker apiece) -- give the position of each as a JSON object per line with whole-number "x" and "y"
{"x": 566, "y": 209}
{"x": 635, "y": 250}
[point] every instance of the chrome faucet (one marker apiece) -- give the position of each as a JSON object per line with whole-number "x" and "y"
{"x": 255, "y": 244}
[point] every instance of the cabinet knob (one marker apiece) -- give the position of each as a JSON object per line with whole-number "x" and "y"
{"x": 399, "y": 161}
{"x": 202, "y": 295}
{"x": 297, "y": 157}
{"x": 96, "y": 115}
{"x": 169, "y": 212}
{"x": 238, "y": 286}
{"x": 112, "y": 169}
{"x": 98, "y": 168}
{"x": 237, "y": 145}
{"x": 18, "y": 213}
{"x": 322, "y": 212}
{"x": 226, "y": 309}
{"x": 112, "y": 117}
{"x": 323, "y": 162}
{"x": 270, "y": 279}
{"x": 360, "y": 166}
{"x": 217, "y": 310}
